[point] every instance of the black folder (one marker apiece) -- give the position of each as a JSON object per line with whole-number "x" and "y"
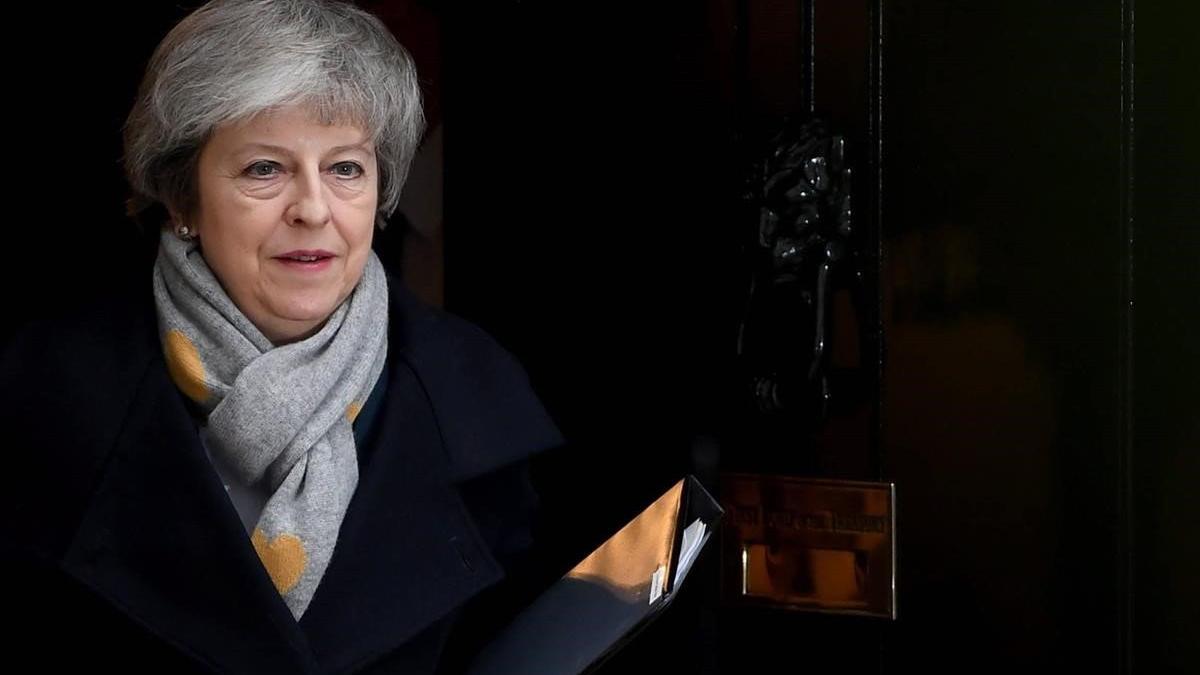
{"x": 611, "y": 595}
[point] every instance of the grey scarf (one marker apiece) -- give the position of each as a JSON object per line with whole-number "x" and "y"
{"x": 278, "y": 417}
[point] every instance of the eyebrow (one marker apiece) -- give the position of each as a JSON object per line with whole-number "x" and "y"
{"x": 363, "y": 146}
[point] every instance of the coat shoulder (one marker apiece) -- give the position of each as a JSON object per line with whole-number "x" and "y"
{"x": 487, "y": 410}
{"x": 67, "y": 382}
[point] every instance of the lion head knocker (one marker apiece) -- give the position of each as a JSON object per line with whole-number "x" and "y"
{"x": 798, "y": 199}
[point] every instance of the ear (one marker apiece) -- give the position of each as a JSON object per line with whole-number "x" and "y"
{"x": 178, "y": 220}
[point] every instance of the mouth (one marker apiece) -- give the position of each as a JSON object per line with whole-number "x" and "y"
{"x": 306, "y": 260}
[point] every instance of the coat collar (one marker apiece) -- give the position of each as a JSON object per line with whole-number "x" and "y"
{"x": 164, "y": 544}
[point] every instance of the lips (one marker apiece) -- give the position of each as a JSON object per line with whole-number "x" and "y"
{"x": 309, "y": 256}
{"x": 306, "y": 261}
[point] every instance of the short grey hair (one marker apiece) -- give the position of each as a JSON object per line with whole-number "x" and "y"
{"x": 232, "y": 59}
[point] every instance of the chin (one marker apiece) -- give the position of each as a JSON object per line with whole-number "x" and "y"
{"x": 308, "y": 309}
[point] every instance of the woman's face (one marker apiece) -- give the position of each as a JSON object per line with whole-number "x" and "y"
{"x": 285, "y": 215}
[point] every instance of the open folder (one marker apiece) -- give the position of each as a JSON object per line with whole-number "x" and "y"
{"x": 610, "y": 596}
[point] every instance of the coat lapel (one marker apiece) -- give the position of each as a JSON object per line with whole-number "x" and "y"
{"x": 408, "y": 553}
{"x": 164, "y": 544}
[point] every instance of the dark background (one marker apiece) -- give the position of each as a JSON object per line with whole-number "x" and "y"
{"x": 1029, "y": 176}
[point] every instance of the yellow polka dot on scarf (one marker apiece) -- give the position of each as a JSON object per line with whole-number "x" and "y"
{"x": 352, "y": 411}
{"x": 284, "y": 557}
{"x": 185, "y": 366}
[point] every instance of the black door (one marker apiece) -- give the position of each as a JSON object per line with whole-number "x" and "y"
{"x": 1025, "y": 208}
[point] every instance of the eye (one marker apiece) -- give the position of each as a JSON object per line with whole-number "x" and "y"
{"x": 262, "y": 169}
{"x": 347, "y": 170}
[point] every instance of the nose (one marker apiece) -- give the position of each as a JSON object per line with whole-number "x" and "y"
{"x": 308, "y": 207}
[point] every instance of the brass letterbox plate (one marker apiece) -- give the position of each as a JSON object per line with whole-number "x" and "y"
{"x": 809, "y": 544}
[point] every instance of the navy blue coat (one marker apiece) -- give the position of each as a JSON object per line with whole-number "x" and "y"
{"x": 124, "y": 549}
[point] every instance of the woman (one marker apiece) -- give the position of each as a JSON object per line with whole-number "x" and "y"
{"x": 277, "y": 460}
